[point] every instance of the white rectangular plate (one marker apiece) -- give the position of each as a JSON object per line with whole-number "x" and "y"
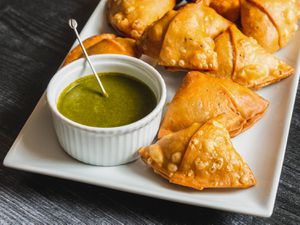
{"x": 263, "y": 146}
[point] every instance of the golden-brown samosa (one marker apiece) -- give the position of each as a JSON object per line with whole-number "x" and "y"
{"x": 271, "y": 22}
{"x": 104, "y": 44}
{"x": 243, "y": 60}
{"x": 183, "y": 39}
{"x": 199, "y": 158}
{"x": 131, "y": 17}
{"x": 230, "y": 9}
{"x": 202, "y": 97}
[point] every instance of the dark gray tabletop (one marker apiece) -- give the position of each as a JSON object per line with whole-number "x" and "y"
{"x": 34, "y": 39}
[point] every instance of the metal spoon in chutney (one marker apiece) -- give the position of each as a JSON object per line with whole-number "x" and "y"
{"x": 129, "y": 100}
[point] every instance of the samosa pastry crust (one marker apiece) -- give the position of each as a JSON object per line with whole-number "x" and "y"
{"x": 205, "y": 158}
{"x": 271, "y": 22}
{"x": 183, "y": 39}
{"x": 151, "y": 41}
{"x": 104, "y": 44}
{"x": 131, "y": 17}
{"x": 202, "y": 97}
{"x": 230, "y": 9}
{"x": 165, "y": 155}
{"x": 243, "y": 60}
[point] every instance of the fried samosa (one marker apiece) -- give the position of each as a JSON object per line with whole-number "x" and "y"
{"x": 131, "y": 17}
{"x": 243, "y": 60}
{"x": 199, "y": 158}
{"x": 230, "y": 9}
{"x": 104, "y": 44}
{"x": 202, "y": 97}
{"x": 271, "y": 22}
{"x": 183, "y": 39}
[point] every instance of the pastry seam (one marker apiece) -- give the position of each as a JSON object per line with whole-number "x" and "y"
{"x": 262, "y": 8}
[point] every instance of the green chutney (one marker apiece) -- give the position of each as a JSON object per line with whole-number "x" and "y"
{"x": 129, "y": 100}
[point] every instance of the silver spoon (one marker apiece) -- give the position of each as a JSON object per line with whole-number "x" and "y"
{"x": 73, "y": 25}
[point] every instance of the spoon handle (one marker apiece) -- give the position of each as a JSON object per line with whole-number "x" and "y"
{"x": 73, "y": 25}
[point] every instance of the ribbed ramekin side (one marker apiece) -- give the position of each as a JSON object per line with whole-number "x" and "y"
{"x": 102, "y": 149}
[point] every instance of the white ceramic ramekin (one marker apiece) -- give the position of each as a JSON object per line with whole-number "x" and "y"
{"x": 106, "y": 146}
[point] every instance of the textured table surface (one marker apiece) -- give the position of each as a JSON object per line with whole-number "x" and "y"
{"x": 34, "y": 39}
